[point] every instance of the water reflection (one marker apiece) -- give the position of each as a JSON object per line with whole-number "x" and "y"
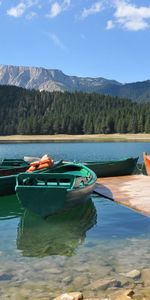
{"x": 58, "y": 234}
{"x": 10, "y": 207}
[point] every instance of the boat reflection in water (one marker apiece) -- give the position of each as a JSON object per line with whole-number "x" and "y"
{"x": 10, "y": 207}
{"x": 58, "y": 234}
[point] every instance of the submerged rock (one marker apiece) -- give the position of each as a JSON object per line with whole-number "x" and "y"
{"x": 123, "y": 295}
{"x": 70, "y": 296}
{"x": 81, "y": 281}
{"x": 146, "y": 277}
{"x": 134, "y": 274}
{"x": 55, "y": 270}
{"x": 129, "y": 293}
{"x": 5, "y": 276}
{"x": 105, "y": 284}
{"x": 67, "y": 280}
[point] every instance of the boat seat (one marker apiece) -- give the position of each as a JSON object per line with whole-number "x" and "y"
{"x": 77, "y": 173}
{"x": 43, "y": 179}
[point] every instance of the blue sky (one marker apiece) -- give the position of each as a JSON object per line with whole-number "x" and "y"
{"x": 102, "y": 38}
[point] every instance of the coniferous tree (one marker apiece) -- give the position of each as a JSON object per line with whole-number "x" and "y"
{"x": 31, "y": 112}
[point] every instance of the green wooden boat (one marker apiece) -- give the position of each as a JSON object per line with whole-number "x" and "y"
{"x": 59, "y": 234}
{"x": 62, "y": 188}
{"x": 12, "y": 170}
{"x": 7, "y": 185}
{"x": 113, "y": 168}
{"x": 8, "y": 175}
{"x": 13, "y": 162}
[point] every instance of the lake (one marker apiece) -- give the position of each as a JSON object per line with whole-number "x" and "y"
{"x": 41, "y": 259}
{"x": 77, "y": 151}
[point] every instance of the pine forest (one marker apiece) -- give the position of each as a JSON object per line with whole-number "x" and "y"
{"x": 33, "y": 112}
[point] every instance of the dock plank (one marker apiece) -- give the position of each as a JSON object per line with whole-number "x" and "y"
{"x": 132, "y": 191}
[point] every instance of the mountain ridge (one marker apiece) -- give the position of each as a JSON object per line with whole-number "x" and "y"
{"x": 40, "y": 78}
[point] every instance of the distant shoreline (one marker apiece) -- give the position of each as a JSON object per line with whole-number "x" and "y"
{"x": 75, "y": 138}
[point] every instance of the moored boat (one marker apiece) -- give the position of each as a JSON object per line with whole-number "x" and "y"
{"x": 8, "y": 175}
{"x": 55, "y": 190}
{"x": 113, "y": 167}
{"x": 12, "y": 170}
{"x": 12, "y": 162}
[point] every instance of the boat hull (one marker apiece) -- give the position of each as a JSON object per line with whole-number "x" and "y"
{"x": 8, "y": 179}
{"x": 7, "y": 185}
{"x": 113, "y": 168}
{"x": 54, "y": 192}
{"x": 47, "y": 201}
{"x": 12, "y": 170}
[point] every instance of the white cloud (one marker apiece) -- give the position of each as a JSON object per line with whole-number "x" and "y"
{"x": 125, "y": 14}
{"x": 56, "y": 41}
{"x": 31, "y": 15}
{"x": 30, "y": 3}
{"x": 130, "y": 16}
{"x": 110, "y": 25}
{"x": 57, "y": 8}
{"x": 17, "y": 11}
{"x": 94, "y": 9}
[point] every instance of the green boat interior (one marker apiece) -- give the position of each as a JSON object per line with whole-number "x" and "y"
{"x": 12, "y": 163}
{"x": 2, "y": 167}
{"x": 69, "y": 176}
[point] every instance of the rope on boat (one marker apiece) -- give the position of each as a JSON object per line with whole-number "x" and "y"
{"x": 140, "y": 169}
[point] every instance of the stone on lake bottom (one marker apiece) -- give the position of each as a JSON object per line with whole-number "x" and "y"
{"x": 123, "y": 297}
{"x": 70, "y": 296}
{"x": 129, "y": 293}
{"x": 105, "y": 284}
{"x": 67, "y": 280}
{"x": 134, "y": 274}
{"x": 5, "y": 276}
{"x": 146, "y": 277}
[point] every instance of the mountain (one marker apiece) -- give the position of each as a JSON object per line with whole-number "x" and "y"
{"x": 50, "y": 80}
{"x": 55, "y": 80}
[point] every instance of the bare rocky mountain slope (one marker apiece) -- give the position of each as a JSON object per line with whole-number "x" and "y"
{"x": 50, "y": 80}
{"x": 55, "y": 80}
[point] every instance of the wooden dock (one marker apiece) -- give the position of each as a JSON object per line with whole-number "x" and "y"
{"x": 132, "y": 191}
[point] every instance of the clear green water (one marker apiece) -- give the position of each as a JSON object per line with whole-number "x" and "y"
{"x": 43, "y": 258}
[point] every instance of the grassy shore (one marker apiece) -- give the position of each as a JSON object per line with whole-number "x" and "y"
{"x": 67, "y": 138}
